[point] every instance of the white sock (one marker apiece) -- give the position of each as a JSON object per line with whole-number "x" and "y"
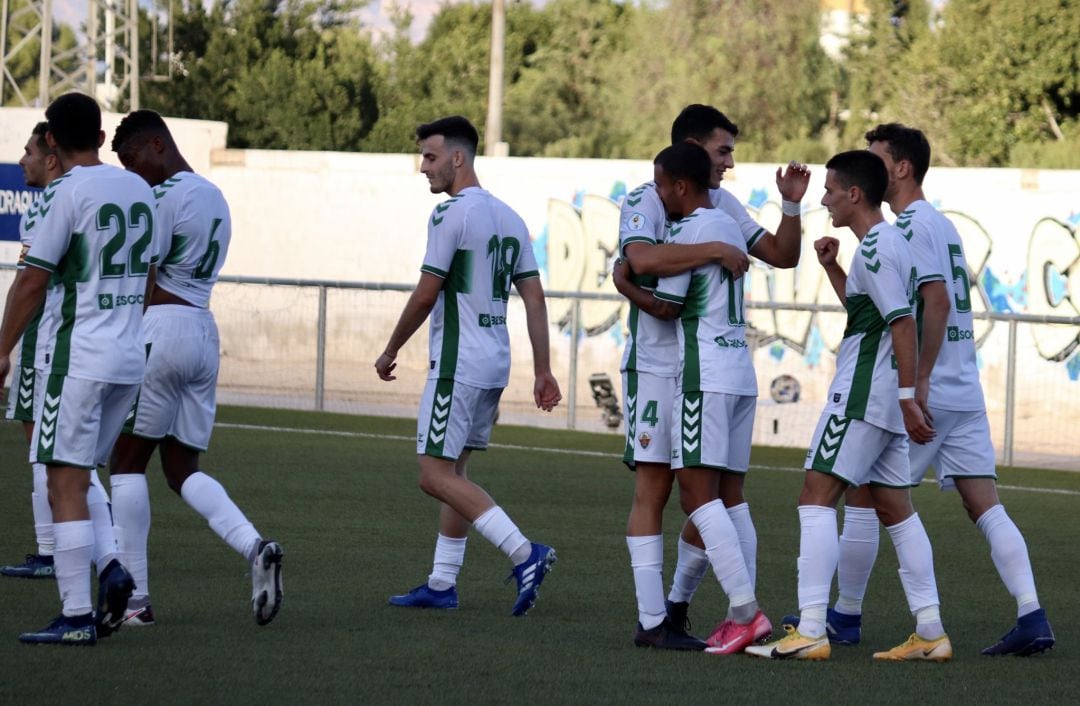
{"x": 647, "y": 561}
{"x": 208, "y": 498}
{"x": 131, "y": 518}
{"x": 819, "y": 551}
{"x": 721, "y": 546}
{"x": 449, "y": 556}
{"x": 744, "y": 527}
{"x": 928, "y": 623}
{"x": 692, "y": 565}
{"x": 74, "y": 549}
{"x": 1010, "y": 555}
{"x": 39, "y": 501}
{"x": 858, "y": 552}
{"x": 105, "y": 549}
{"x": 916, "y": 559}
{"x": 495, "y": 526}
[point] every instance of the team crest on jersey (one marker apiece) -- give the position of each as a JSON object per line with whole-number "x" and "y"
{"x": 645, "y": 440}
{"x": 636, "y": 222}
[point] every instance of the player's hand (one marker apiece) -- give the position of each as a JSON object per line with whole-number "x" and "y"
{"x": 546, "y": 392}
{"x": 733, "y": 260}
{"x": 922, "y": 398}
{"x": 792, "y": 182}
{"x": 385, "y": 365}
{"x": 917, "y": 425}
{"x": 827, "y": 249}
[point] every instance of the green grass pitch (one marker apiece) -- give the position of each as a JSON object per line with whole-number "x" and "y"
{"x": 356, "y": 529}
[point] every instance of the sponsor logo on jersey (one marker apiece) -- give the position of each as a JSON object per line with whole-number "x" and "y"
{"x": 836, "y": 398}
{"x": 955, "y": 333}
{"x": 636, "y": 221}
{"x": 645, "y": 440}
{"x": 730, "y": 342}
{"x": 108, "y": 301}
{"x": 433, "y": 365}
{"x": 489, "y": 320}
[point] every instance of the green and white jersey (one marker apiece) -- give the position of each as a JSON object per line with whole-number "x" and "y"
{"x": 939, "y": 256}
{"x": 194, "y": 215}
{"x": 723, "y": 200}
{"x": 97, "y": 237}
{"x": 880, "y": 289}
{"x": 651, "y": 346}
{"x": 480, "y": 247}
{"x": 713, "y": 353}
{"x": 36, "y": 341}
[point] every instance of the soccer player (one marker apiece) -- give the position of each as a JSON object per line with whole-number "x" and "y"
{"x": 174, "y": 413}
{"x": 649, "y": 368}
{"x": 40, "y": 167}
{"x": 476, "y": 248}
{"x": 96, "y": 246}
{"x": 860, "y": 438}
{"x": 948, "y": 390}
{"x": 716, "y": 388}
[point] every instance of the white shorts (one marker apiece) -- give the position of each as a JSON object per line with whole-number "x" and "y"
{"x": 858, "y": 452}
{"x": 79, "y": 420}
{"x": 178, "y": 395}
{"x": 961, "y": 449}
{"x": 712, "y": 430}
{"x": 454, "y": 417}
{"x": 24, "y": 394}
{"x": 647, "y": 399}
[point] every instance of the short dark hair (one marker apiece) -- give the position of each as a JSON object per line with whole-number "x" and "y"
{"x": 74, "y": 121}
{"x": 140, "y": 122}
{"x": 454, "y": 128}
{"x": 904, "y": 143}
{"x": 39, "y": 134}
{"x": 862, "y": 169}
{"x": 697, "y": 121}
{"x": 685, "y": 160}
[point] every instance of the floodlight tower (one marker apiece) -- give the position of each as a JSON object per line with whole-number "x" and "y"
{"x": 104, "y": 62}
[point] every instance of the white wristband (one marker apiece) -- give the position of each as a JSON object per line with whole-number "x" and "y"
{"x": 907, "y": 393}
{"x": 791, "y": 208}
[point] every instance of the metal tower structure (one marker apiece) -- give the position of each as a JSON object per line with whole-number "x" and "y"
{"x": 103, "y": 62}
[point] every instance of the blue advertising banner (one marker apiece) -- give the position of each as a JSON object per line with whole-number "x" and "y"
{"x": 15, "y": 198}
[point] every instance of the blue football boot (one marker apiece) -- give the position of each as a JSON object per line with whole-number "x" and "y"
{"x": 424, "y": 597}
{"x": 115, "y": 587}
{"x": 64, "y": 630}
{"x": 1031, "y": 636}
{"x": 36, "y": 566}
{"x": 530, "y": 574}
{"x": 842, "y": 629}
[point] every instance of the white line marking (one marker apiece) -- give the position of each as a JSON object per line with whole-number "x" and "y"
{"x": 567, "y": 452}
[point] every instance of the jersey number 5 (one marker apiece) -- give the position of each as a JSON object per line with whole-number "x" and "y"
{"x": 110, "y": 216}
{"x": 960, "y": 273}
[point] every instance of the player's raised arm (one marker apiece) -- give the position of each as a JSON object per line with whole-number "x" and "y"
{"x": 674, "y": 258}
{"x": 640, "y": 297}
{"x": 827, "y": 248}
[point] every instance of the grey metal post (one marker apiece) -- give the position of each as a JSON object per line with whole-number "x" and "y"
{"x": 493, "y": 127}
{"x": 1010, "y": 396}
{"x": 320, "y": 351}
{"x": 133, "y": 55}
{"x": 45, "y": 70}
{"x": 571, "y": 396}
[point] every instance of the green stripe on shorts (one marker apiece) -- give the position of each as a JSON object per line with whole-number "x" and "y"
{"x": 22, "y": 392}
{"x": 631, "y": 417}
{"x": 441, "y": 403}
{"x": 690, "y": 429}
{"x": 50, "y": 413}
{"x": 832, "y": 438}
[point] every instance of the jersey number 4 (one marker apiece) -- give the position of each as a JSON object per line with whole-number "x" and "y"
{"x": 112, "y": 217}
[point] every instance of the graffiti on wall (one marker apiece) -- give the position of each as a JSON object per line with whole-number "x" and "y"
{"x": 580, "y": 241}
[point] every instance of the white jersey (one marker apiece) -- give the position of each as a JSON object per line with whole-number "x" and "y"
{"x": 480, "y": 247}
{"x": 880, "y": 289}
{"x": 752, "y": 232}
{"x": 713, "y": 353}
{"x": 36, "y": 341}
{"x": 651, "y": 346}
{"x": 194, "y": 215}
{"x": 97, "y": 237}
{"x": 939, "y": 256}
